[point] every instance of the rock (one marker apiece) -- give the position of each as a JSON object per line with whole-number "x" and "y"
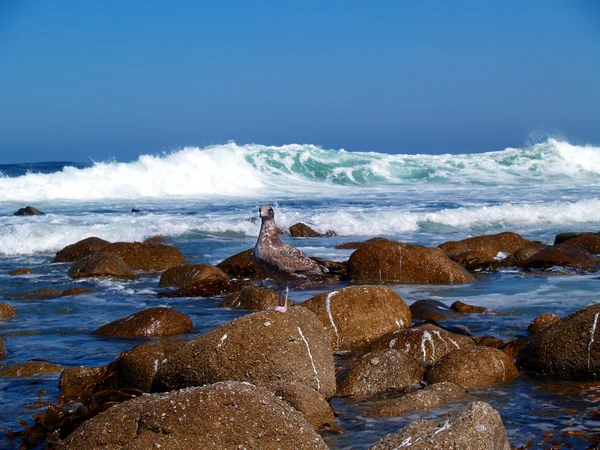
{"x": 28, "y": 211}
{"x": 427, "y": 343}
{"x": 228, "y": 415}
{"x": 2, "y": 350}
{"x": 394, "y": 262}
{"x": 74, "y": 291}
{"x": 587, "y": 241}
{"x": 563, "y": 237}
{"x": 29, "y": 369}
{"x": 377, "y": 372}
{"x": 568, "y": 349}
{"x": 302, "y": 230}
{"x": 488, "y": 246}
{"x": 159, "y": 321}
{"x": 241, "y": 265}
{"x": 101, "y": 264}
{"x": 513, "y": 348}
{"x": 475, "y": 260}
{"x": 473, "y": 367}
{"x": 147, "y": 257}
{"x": 476, "y": 426}
{"x": 465, "y": 308}
{"x": 542, "y": 322}
{"x": 431, "y": 310}
{"x": 309, "y": 402}
{"x": 189, "y": 274}
{"x": 355, "y": 245}
{"x": 6, "y": 311}
{"x": 80, "y": 249}
{"x": 78, "y": 381}
{"x": 490, "y": 341}
{"x": 154, "y": 240}
{"x": 433, "y": 396}
{"x": 517, "y": 258}
{"x": 21, "y": 271}
{"x": 137, "y": 368}
{"x": 253, "y": 298}
{"x": 266, "y": 348}
{"x": 356, "y": 315}
{"x": 40, "y": 294}
{"x": 211, "y": 287}
{"x": 562, "y": 255}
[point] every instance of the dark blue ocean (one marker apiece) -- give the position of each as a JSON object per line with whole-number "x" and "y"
{"x": 202, "y": 201}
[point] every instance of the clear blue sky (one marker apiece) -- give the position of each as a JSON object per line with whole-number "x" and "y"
{"x": 100, "y": 79}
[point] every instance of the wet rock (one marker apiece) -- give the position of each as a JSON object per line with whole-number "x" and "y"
{"x": 356, "y": 245}
{"x": 476, "y": 426}
{"x": 264, "y": 348}
{"x": 28, "y": 211}
{"x": 568, "y": 349}
{"x": 223, "y": 415}
{"x": 433, "y": 396}
{"x": 488, "y": 246}
{"x": 302, "y": 230}
{"x": 465, "y": 308}
{"x": 78, "y": 381}
{"x": 6, "y": 311}
{"x": 563, "y": 237}
{"x": 137, "y": 368}
{"x": 74, "y": 291}
{"x": 431, "y": 310}
{"x": 490, "y": 341}
{"x": 211, "y": 287}
{"x": 241, "y": 265}
{"x": 29, "y": 369}
{"x": 22, "y": 271}
{"x": 316, "y": 410}
{"x": 542, "y": 322}
{"x": 377, "y": 372}
{"x": 587, "y": 241}
{"x": 427, "y": 343}
{"x": 475, "y": 260}
{"x": 159, "y": 321}
{"x": 2, "y": 350}
{"x": 513, "y": 348}
{"x": 154, "y": 240}
{"x": 517, "y": 258}
{"x": 395, "y": 262}
{"x": 561, "y": 255}
{"x": 253, "y": 298}
{"x": 40, "y": 294}
{"x": 101, "y": 264}
{"x": 147, "y": 257}
{"x": 189, "y": 274}
{"x": 80, "y": 249}
{"x": 356, "y": 315}
{"x": 473, "y": 367}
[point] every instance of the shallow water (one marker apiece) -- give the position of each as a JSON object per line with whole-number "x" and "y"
{"x": 538, "y": 192}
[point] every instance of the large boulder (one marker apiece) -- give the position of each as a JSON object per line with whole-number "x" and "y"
{"x": 377, "y": 372}
{"x": 476, "y": 426}
{"x": 147, "y": 257}
{"x": 254, "y": 298}
{"x": 101, "y": 264}
{"x": 562, "y": 255}
{"x": 427, "y": 343}
{"x": 264, "y": 348}
{"x": 356, "y": 315}
{"x": 488, "y": 246}
{"x": 159, "y": 321}
{"x": 241, "y": 265}
{"x": 568, "y": 349}
{"x": 395, "y": 262}
{"x": 188, "y": 274}
{"x": 80, "y": 249}
{"x": 473, "y": 367}
{"x": 432, "y": 396}
{"x": 220, "y": 416}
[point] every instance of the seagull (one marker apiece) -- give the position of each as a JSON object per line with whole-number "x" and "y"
{"x": 283, "y": 263}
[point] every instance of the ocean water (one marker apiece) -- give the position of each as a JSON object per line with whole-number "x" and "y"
{"x": 203, "y": 201}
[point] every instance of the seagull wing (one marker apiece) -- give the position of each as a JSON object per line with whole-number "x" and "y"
{"x": 292, "y": 260}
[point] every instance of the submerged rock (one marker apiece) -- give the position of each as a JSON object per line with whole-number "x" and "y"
{"x": 356, "y": 315}
{"x": 433, "y": 396}
{"x": 22, "y": 271}
{"x": 222, "y": 415}
{"x": 473, "y": 367}
{"x": 395, "y": 262}
{"x": 6, "y": 311}
{"x": 431, "y": 310}
{"x": 377, "y": 372}
{"x": 465, "y": 308}
{"x": 29, "y": 369}
{"x": 266, "y": 348}
{"x": 159, "y": 321}
{"x": 476, "y": 426}
{"x": 80, "y": 249}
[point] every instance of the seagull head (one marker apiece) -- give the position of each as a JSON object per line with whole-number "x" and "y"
{"x": 266, "y": 212}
